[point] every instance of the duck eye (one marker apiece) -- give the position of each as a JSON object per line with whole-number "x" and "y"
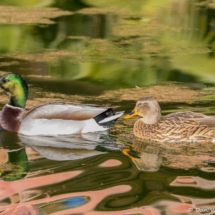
{"x": 6, "y": 80}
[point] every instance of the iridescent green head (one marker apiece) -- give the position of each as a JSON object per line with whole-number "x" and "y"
{"x": 16, "y": 88}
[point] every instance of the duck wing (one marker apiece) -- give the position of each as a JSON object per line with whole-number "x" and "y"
{"x": 67, "y": 111}
{"x": 59, "y": 118}
{"x": 189, "y": 118}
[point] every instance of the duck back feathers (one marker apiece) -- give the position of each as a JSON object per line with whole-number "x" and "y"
{"x": 178, "y": 127}
{"x": 66, "y": 111}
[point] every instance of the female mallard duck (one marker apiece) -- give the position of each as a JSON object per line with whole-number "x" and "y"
{"x": 176, "y": 127}
{"x": 50, "y": 118}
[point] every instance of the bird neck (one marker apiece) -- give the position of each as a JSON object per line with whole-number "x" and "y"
{"x": 19, "y": 98}
{"x": 17, "y": 102}
{"x": 152, "y": 117}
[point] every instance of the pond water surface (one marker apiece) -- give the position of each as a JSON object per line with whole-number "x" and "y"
{"x": 109, "y": 53}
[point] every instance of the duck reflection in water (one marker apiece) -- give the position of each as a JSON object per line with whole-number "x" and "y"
{"x": 17, "y": 165}
{"x": 31, "y": 190}
{"x": 70, "y": 147}
{"x": 150, "y": 156}
{"x": 146, "y": 159}
{"x": 53, "y": 148}
{"x": 59, "y": 148}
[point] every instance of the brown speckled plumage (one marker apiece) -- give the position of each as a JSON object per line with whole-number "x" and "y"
{"x": 177, "y": 127}
{"x": 174, "y": 129}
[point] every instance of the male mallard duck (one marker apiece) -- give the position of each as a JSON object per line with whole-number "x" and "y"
{"x": 50, "y": 118}
{"x": 176, "y": 127}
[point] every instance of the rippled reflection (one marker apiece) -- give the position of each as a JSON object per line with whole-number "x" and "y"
{"x": 111, "y": 178}
{"x": 17, "y": 165}
{"x": 71, "y": 147}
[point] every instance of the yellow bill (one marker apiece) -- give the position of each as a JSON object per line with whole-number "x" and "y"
{"x": 1, "y": 90}
{"x": 133, "y": 113}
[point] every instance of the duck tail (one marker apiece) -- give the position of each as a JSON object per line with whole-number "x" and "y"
{"x": 108, "y": 118}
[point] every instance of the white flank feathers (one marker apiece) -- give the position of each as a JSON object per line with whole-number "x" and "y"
{"x": 58, "y": 126}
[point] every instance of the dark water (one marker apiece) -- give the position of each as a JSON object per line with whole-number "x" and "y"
{"x": 109, "y": 53}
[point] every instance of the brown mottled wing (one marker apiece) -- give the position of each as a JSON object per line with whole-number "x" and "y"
{"x": 65, "y": 110}
{"x": 184, "y": 126}
{"x": 178, "y": 127}
{"x": 188, "y": 118}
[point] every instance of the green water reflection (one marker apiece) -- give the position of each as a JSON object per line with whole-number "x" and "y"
{"x": 17, "y": 166}
{"x": 115, "y": 45}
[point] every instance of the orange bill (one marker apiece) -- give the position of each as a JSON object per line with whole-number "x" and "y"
{"x": 125, "y": 151}
{"x": 133, "y": 113}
